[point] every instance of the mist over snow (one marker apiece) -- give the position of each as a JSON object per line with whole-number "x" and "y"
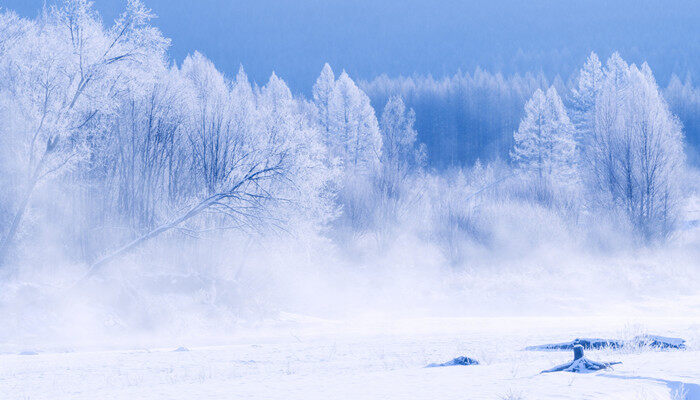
{"x": 404, "y": 205}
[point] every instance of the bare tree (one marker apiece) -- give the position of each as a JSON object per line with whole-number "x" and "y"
{"x": 239, "y": 201}
{"x": 61, "y": 74}
{"x": 245, "y": 153}
{"x": 635, "y": 161}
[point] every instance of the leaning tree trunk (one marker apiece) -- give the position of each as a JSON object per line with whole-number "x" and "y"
{"x": 201, "y": 206}
{"x": 236, "y": 191}
{"x": 19, "y": 214}
{"x": 12, "y": 232}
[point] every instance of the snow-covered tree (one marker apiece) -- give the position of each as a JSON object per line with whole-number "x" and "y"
{"x": 12, "y": 27}
{"x": 288, "y": 125}
{"x": 684, "y": 100}
{"x": 210, "y": 128}
{"x": 583, "y": 96}
{"x": 636, "y": 160}
{"x": 464, "y": 116}
{"x": 400, "y": 150}
{"x": 352, "y": 140}
{"x": 251, "y": 157}
{"x": 354, "y": 136}
{"x": 322, "y": 94}
{"x": 140, "y": 171}
{"x": 61, "y": 77}
{"x": 544, "y": 144}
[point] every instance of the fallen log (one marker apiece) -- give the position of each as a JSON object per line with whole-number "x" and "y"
{"x": 654, "y": 341}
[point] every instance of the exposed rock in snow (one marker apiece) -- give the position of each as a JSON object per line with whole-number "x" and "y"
{"x": 660, "y": 342}
{"x": 455, "y": 361}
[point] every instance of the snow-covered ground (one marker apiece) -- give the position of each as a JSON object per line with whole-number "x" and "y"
{"x": 306, "y": 358}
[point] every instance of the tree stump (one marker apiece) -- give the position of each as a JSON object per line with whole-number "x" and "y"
{"x": 578, "y": 352}
{"x": 581, "y": 364}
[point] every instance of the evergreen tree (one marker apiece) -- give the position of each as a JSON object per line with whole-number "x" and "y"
{"x": 400, "y": 150}
{"x": 322, "y": 93}
{"x": 583, "y": 96}
{"x": 544, "y": 143}
{"x": 684, "y": 100}
{"x": 354, "y": 136}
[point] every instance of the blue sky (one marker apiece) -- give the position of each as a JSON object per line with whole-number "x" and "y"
{"x": 370, "y": 37}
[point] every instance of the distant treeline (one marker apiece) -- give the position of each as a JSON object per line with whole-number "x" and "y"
{"x": 470, "y": 116}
